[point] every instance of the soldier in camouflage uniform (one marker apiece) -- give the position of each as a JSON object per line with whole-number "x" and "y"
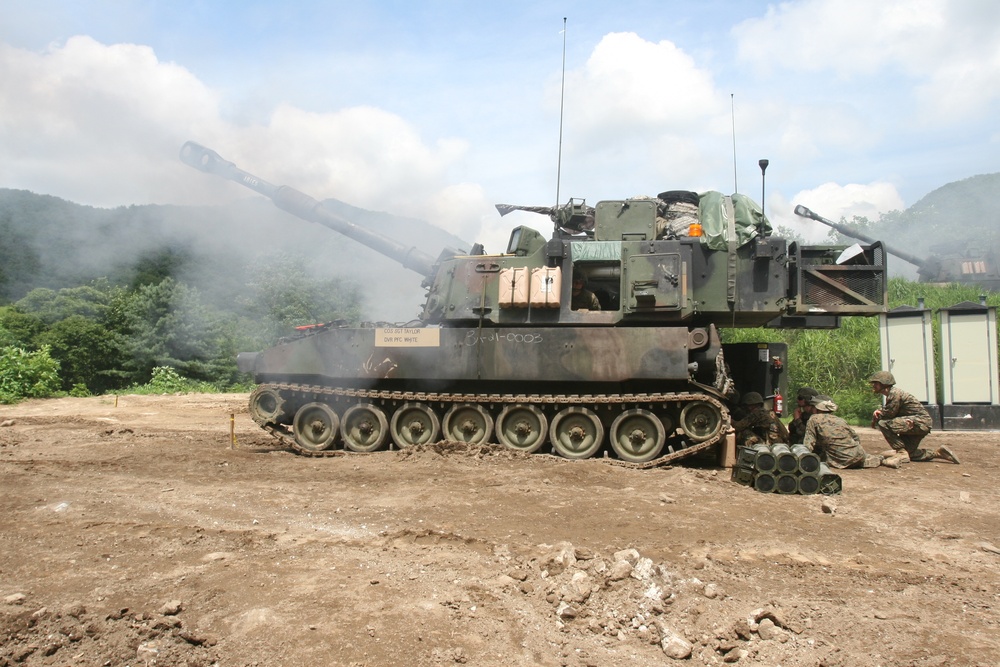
{"x": 834, "y": 441}
{"x": 797, "y": 427}
{"x": 904, "y": 421}
{"x": 759, "y": 425}
{"x": 583, "y": 298}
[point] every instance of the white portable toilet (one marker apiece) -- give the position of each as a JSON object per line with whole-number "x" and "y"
{"x": 907, "y": 336}
{"x": 971, "y": 388}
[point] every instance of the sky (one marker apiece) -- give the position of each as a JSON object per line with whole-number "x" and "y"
{"x": 439, "y": 109}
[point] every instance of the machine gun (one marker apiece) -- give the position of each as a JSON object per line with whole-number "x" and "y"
{"x": 574, "y": 217}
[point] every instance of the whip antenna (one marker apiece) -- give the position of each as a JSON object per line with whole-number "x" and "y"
{"x": 732, "y": 102}
{"x": 562, "y": 96}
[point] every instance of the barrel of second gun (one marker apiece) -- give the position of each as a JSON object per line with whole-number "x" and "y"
{"x": 804, "y": 212}
{"x": 303, "y": 206}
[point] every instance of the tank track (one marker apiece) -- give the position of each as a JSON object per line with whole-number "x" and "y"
{"x": 313, "y": 392}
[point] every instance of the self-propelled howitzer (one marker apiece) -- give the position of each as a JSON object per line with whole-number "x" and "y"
{"x": 505, "y": 349}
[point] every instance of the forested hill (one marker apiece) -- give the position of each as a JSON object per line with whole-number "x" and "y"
{"x": 52, "y": 243}
{"x": 948, "y": 219}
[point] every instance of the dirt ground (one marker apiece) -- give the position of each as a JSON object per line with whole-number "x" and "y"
{"x": 131, "y": 533}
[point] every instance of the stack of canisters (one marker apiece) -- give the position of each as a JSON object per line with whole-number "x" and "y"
{"x": 780, "y": 468}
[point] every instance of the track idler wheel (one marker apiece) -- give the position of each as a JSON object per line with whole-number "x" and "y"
{"x": 701, "y": 421}
{"x": 266, "y": 405}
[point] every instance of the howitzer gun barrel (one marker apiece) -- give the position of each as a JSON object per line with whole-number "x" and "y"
{"x": 804, "y": 212}
{"x": 303, "y": 206}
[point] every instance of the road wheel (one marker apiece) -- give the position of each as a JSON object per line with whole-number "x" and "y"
{"x": 522, "y": 427}
{"x": 315, "y": 426}
{"x": 637, "y": 435}
{"x": 468, "y": 423}
{"x": 576, "y": 433}
{"x": 414, "y": 424}
{"x": 364, "y": 428}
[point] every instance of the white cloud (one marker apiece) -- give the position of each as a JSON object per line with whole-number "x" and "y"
{"x": 949, "y": 48}
{"x": 463, "y": 210}
{"x": 637, "y": 115}
{"x": 850, "y": 37}
{"x": 808, "y": 132}
{"x": 115, "y": 109}
{"x": 630, "y": 85}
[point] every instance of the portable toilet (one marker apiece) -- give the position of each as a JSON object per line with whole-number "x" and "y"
{"x": 971, "y": 399}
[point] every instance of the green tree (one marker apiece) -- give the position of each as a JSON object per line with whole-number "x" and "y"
{"x": 168, "y": 325}
{"x": 88, "y": 353}
{"x": 156, "y": 266}
{"x": 51, "y": 306}
{"x": 18, "y": 328}
{"x": 74, "y": 324}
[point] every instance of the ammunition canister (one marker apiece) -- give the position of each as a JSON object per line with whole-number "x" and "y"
{"x": 787, "y": 483}
{"x": 830, "y": 484}
{"x": 746, "y": 456}
{"x": 764, "y": 482}
{"x": 786, "y": 461}
{"x": 809, "y": 484}
{"x": 765, "y": 461}
{"x": 808, "y": 461}
{"x": 743, "y": 475}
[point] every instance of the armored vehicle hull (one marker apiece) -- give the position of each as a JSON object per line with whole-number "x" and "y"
{"x": 509, "y": 349}
{"x": 568, "y": 386}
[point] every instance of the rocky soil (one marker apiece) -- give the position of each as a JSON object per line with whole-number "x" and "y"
{"x": 133, "y": 532}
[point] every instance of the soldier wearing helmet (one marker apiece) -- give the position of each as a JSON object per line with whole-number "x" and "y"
{"x": 797, "y": 427}
{"x": 759, "y": 425}
{"x": 904, "y": 422}
{"x": 583, "y": 298}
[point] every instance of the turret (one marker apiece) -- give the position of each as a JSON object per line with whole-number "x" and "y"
{"x": 303, "y": 206}
{"x": 680, "y": 258}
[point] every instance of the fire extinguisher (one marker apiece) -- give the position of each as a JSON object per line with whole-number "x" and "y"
{"x": 776, "y": 367}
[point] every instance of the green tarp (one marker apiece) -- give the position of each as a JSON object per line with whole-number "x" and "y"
{"x": 714, "y": 213}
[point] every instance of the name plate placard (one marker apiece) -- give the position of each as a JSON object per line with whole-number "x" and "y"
{"x": 407, "y": 337}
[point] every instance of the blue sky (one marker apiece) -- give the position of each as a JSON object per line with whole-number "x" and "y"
{"x": 440, "y": 109}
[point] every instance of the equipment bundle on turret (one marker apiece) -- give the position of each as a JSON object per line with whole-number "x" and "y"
{"x": 780, "y": 468}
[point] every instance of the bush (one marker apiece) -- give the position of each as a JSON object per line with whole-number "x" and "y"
{"x": 166, "y": 380}
{"x": 79, "y": 390}
{"x": 26, "y": 374}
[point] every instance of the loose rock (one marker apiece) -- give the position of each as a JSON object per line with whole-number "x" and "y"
{"x": 674, "y": 646}
{"x": 172, "y": 608}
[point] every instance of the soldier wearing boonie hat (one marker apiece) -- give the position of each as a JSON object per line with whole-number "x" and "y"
{"x": 833, "y": 439}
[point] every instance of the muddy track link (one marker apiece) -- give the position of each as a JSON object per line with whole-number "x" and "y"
{"x": 304, "y": 393}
